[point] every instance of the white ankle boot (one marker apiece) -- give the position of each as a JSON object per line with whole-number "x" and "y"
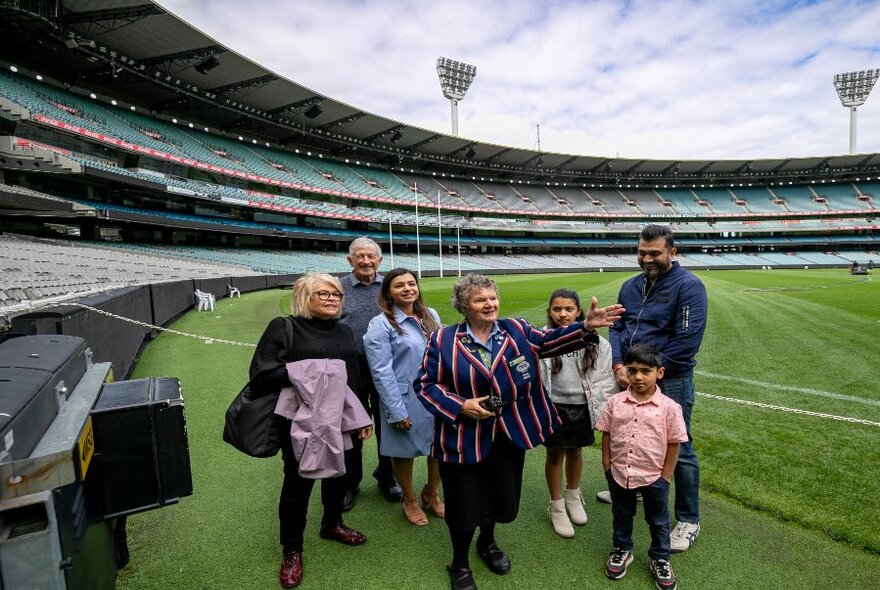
{"x": 559, "y": 518}
{"x": 574, "y": 503}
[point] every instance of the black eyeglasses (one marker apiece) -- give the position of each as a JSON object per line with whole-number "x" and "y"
{"x": 326, "y": 295}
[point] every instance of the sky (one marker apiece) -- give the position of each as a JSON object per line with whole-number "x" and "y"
{"x": 640, "y": 79}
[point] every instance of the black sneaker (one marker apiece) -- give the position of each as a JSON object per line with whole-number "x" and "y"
{"x": 618, "y": 560}
{"x": 664, "y": 579}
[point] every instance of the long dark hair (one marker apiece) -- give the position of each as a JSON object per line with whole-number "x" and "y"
{"x": 386, "y": 304}
{"x": 588, "y": 359}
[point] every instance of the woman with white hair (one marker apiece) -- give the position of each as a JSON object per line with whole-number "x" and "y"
{"x": 481, "y": 381}
{"x": 316, "y": 334}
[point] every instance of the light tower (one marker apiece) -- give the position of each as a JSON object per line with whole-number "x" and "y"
{"x": 853, "y": 89}
{"x": 455, "y": 79}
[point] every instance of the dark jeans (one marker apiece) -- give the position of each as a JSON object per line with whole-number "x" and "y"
{"x": 655, "y": 503}
{"x": 687, "y": 470}
{"x": 294, "y": 502}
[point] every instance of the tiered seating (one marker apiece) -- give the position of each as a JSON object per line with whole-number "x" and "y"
{"x": 782, "y": 259}
{"x": 612, "y": 201}
{"x": 393, "y": 186}
{"x": 506, "y": 198}
{"x": 34, "y": 270}
{"x": 720, "y": 201}
{"x": 858, "y": 256}
{"x": 683, "y": 201}
{"x": 822, "y": 258}
{"x": 870, "y": 189}
{"x": 841, "y": 197}
{"x": 798, "y": 198}
{"x": 648, "y": 201}
{"x": 544, "y": 199}
{"x": 702, "y": 260}
{"x": 346, "y": 176}
{"x": 578, "y": 200}
{"x": 452, "y": 192}
{"x": 759, "y": 200}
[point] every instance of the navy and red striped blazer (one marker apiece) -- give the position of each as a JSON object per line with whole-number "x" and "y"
{"x": 452, "y": 372}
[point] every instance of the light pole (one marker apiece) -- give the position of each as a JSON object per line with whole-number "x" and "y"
{"x": 853, "y": 89}
{"x": 455, "y": 79}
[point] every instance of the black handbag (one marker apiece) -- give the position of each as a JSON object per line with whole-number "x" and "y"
{"x": 251, "y": 424}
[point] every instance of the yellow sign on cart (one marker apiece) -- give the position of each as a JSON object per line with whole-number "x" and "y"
{"x": 85, "y": 448}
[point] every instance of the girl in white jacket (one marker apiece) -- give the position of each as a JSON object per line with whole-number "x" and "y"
{"x": 579, "y": 384}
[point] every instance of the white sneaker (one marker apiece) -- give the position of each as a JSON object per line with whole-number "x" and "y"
{"x": 683, "y": 536}
{"x": 574, "y": 503}
{"x": 559, "y": 518}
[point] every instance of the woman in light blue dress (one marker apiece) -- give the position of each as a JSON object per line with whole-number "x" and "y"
{"x": 395, "y": 345}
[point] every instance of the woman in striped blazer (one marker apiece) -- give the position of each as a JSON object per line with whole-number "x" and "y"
{"x": 480, "y": 379}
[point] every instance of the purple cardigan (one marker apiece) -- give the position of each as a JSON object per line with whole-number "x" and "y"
{"x": 323, "y": 410}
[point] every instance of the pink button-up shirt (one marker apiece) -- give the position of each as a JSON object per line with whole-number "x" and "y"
{"x": 639, "y": 435}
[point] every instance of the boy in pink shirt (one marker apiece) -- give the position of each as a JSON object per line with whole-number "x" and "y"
{"x": 641, "y": 432}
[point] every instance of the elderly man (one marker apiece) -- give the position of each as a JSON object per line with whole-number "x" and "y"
{"x": 360, "y": 305}
{"x": 666, "y": 307}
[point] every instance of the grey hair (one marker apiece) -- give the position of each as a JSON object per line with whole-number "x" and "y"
{"x": 461, "y": 291}
{"x": 363, "y": 242}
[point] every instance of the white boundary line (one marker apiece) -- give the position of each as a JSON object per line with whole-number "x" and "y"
{"x": 789, "y": 410}
{"x": 776, "y": 387}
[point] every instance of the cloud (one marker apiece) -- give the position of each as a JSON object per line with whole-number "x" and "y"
{"x": 645, "y": 79}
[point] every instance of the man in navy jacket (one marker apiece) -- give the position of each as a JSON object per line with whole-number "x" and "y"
{"x": 666, "y": 307}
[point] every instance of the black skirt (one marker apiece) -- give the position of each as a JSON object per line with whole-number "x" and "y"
{"x": 484, "y": 492}
{"x": 576, "y": 430}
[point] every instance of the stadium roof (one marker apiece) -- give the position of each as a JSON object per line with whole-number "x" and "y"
{"x": 137, "y": 52}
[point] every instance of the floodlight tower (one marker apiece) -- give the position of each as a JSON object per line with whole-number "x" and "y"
{"x": 853, "y": 89}
{"x": 455, "y": 79}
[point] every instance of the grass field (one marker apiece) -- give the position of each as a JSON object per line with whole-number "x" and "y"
{"x": 789, "y": 500}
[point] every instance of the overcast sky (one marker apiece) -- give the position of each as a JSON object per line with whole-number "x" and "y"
{"x": 679, "y": 79}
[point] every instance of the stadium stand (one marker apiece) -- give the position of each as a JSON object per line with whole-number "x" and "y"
{"x": 759, "y": 200}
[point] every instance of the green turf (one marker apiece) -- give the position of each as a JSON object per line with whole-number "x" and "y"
{"x": 779, "y": 488}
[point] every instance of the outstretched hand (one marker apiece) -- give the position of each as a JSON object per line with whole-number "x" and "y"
{"x": 602, "y": 317}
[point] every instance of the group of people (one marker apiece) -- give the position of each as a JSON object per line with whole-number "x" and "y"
{"x": 474, "y": 396}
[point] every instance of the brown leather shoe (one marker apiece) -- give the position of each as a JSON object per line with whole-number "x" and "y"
{"x": 291, "y": 573}
{"x": 343, "y": 534}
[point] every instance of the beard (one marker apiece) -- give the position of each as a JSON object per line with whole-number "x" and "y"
{"x": 654, "y": 270}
